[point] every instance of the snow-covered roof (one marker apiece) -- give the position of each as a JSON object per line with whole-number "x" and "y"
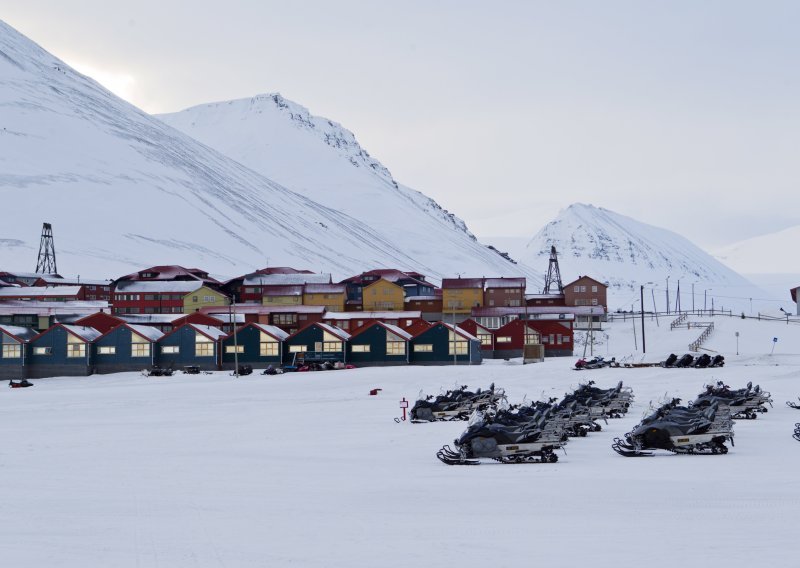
{"x": 3, "y": 284}
{"x": 325, "y": 289}
{"x": 210, "y": 332}
{"x": 275, "y": 332}
{"x": 58, "y": 281}
{"x": 332, "y": 329}
{"x": 285, "y": 279}
{"x": 544, "y": 296}
{"x": 261, "y": 309}
{"x": 22, "y": 333}
{"x": 147, "y": 331}
{"x": 533, "y": 311}
{"x": 461, "y": 283}
{"x": 506, "y": 282}
{"x": 88, "y": 334}
{"x": 39, "y": 291}
{"x": 410, "y": 314}
{"x": 35, "y": 307}
{"x": 423, "y": 298}
{"x": 460, "y": 331}
{"x": 150, "y": 318}
{"x": 295, "y": 290}
{"x": 159, "y": 286}
{"x": 396, "y": 330}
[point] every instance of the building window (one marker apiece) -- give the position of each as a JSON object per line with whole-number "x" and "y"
{"x": 457, "y": 348}
{"x": 486, "y": 338}
{"x": 577, "y": 289}
{"x": 268, "y": 349}
{"x": 283, "y": 319}
{"x": 594, "y": 301}
{"x": 532, "y": 338}
{"x": 395, "y": 348}
{"x": 140, "y": 350}
{"x": 566, "y": 339}
{"x": 194, "y": 299}
{"x": 209, "y": 299}
{"x": 76, "y": 350}
{"x": 360, "y": 349}
{"x": 332, "y": 346}
{"x": 594, "y": 288}
{"x": 423, "y": 348}
{"x": 203, "y": 347}
{"x": 298, "y": 348}
{"x": 105, "y": 350}
{"x": 170, "y": 349}
{"x": 42, "y": 350}
{"x": 12, "y": 351}
{"x": 234, "y": 349}
{"x": 503, "y": 339}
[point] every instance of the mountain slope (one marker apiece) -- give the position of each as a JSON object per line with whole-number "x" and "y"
{"x": 765, "y": 254}
{"x": 627, "y": 253}
{"x": 279, "y": 138}
{"x": 124, "y": 190}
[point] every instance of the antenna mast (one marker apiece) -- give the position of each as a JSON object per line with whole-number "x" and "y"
{"x": 553, "y": 274}
{"x": 46, "y": 264}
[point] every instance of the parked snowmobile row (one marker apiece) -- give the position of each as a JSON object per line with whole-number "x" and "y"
{"x": 702, "y": 362}
{"x": 792, "y": 404}
{"x": 595, "y": 363}
{"x": 679, "y": 429}
{"x": 456, "y": 404}
{"x": 531, "y": 433}
{"x": 744, "y": 403}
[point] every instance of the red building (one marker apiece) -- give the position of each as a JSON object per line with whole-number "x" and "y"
{"x": 483, "y": 333}
{"x": 233, "y": 287}
{"x": 504, "y": 292}
{"x": 170, "y": 273}
{"x": 94, "y": 289}
{"x": 254, "y": 285}
{"x": 43, "y": 293}
{"x": 409, "y": 321}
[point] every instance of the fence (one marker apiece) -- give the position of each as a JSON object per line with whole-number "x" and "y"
{"x": 709, "y": 327}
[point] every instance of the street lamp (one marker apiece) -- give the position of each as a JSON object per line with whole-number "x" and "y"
{"x": 667, "y": 294}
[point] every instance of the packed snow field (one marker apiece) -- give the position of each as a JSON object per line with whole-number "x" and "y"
{"x": 306, "y": 469}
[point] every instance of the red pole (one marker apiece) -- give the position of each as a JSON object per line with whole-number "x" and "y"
{"x": 404, "y": 408}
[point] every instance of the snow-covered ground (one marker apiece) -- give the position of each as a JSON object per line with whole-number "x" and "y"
{"x": 308, "y": 470}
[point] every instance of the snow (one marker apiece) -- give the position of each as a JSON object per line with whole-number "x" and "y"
{"x": 626, "y": 253}
{"x": 88, "y": 334}
{"x": 184, "y": 286}
{"x": 209, "y": 331}
{"x": 28, "y": 291}
{"x": 135, "y": 192}
{"x": 308, "y": 470}
{"x": 146, "y": 331}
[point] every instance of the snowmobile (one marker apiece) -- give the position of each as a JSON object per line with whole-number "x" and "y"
{"x": 717, "y": 361}
{"x": 156, "y": 371}
{"x": 24, "y": 383}
{"x": 796, "y": 434}
{"x": 702, "y": 361}
{"x": 595, "y": 363}
{"x": 456, "y": 404}
{"x": 677, "y": 429}
{"x": 671, "y": 360}
{"x": 744, "y": 403}
{"x": 531, "y": 442}
{"x": 792, "y": 404}
{"x": 604, "y": 403}
{"x": 244, "y": 370}
{"x": 685, "y": 361}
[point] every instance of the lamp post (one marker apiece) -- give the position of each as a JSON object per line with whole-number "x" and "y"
{"x": 667, "y": 294}
{"x": 641, "y": 301}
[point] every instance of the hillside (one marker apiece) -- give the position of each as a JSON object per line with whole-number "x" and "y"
{"x": 124, "y": 190}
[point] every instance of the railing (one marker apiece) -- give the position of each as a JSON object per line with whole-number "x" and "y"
{"x": 678, "y": 321}
{"x": 695, "y": 345}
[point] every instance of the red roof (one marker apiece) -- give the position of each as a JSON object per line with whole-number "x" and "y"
{"x": 171, "y": 272}
{"x": 461, "y": 283}
{"x": 390, "y": 274}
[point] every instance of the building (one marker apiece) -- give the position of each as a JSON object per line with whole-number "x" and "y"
{"x": 793, "y": 292}
{"x": 282, "y": 295}
{"x": 42, "y": 315}
{"x": 234, "y": 287}
{"x": 382, "y": 295}
{"x": 44, "y": 293}
{"x": 429, "y": 306}
{"x": 165, "y": 297}
{"x": 63, "y": 350}
{"x": 444, "y": 344}
{"x": 15, "y": 351}
{"x": 586, "y": 291}
{"x": 511, "y": 339}
{"x": 412, "y": 283}
{"x": 126, "y": 347}
{"x": 542, "y": 300}
{"x": 288, "y": 318}
{"x": 483, "y": 333}
{"x": 254, "y": 344}
{"x": 317, "y": 342}
{"x": 557, "y": 336}
{"x": 460, "y": 295}
{"x": 170, "y": 273}
{"x": 93, "y": 289}
{"x": 411, "y": 322}
{"x": 254, "y": 285}
{"x": 190, "y": 345}
{"x": 379, "y": 343}
{"x": 331, "y": 296}
{"x": 21, "y": 278}
{"x": 504, "y": 292}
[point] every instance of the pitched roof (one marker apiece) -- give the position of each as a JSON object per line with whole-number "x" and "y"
{"x": 579, "y": 278}
{"x": 51, "y": 279}
{"x": 39, "y": 291}
{"x": 332, "y": 329}
{"x": 88, "y": 334}
{"x": 171, "y": 272}
{"x": 403, "y": 334}
{"x": 146, "y": 331}
{"x": 259, "y": 309}
{"x": 23, "y": 334}
{"x": 159, "y": 286}
{"x": 459, "y": 331}
{"x": 390, "y": 274}
{"x": 275, "y": 332}
{"x": 210, "y": 332}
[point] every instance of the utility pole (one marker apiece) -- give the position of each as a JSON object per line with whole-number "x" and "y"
{"x": 232, "y": 313}
{"x": 667, "y": 295}
{"x": 633, "y": 319}
{"x": 693, "y": 298}
{"x": 641, "y": 301}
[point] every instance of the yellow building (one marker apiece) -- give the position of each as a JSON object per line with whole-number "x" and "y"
{"x": 332, "y": 296}
{"x": 382, "y": 295}
{"x": 460, "y": 295}
{"x": 282, "y": 296}
{"x": 203, "y": 297}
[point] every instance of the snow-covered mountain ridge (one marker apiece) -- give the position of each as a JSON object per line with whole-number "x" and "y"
{"x": 124, "y": 190}
{"x": 627, "y": 253}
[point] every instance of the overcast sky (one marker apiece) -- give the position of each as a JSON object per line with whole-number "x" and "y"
{"x": 681, "y": 114}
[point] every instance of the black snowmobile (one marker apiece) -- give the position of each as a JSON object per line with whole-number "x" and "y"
{"x": 717, "y": 361}
{"x": 456, "y": 404}
{"x": 670, "y": 361}
{"x": 796, "y": 434}
{"x": 526, "y": 442}
{"x": 792, "y": 404}
{"x": 685, "y": 361}
{"x": 744, "y": 403}
{"x": 702, "y": 361}
{"x": 677, "y": 429}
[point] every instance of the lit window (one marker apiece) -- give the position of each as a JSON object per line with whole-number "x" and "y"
{"x": 423, "y": 348}
{"x": 395, "y": 348}
{"x": 234, "y": 349}
{"x": 170, "y": 349}
{"x": 297, "y": 348}
{"x": 205, "y": 349}
{"x": 268, "y": 349}
{"x": 503, "y": 339}
{"x": 106, "y": 350}
{"x": 76, "y": 350}
{"x": 12, "y": 351}
{"x": 140, "y": 350}
{"x": 360, "y": 348}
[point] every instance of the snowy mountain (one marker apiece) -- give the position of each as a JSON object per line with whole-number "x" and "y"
{"x": 627, "y": 253}
{"x": 124, "y": 190}
{"x": 765, "y": 254}
{"x": 279, "y": 138}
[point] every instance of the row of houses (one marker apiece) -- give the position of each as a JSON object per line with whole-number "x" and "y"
{"x": 178, "y": 290}
{"x": 70, "y": 350}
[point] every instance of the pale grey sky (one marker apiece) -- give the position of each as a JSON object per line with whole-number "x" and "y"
{"x": 682, "y": 114}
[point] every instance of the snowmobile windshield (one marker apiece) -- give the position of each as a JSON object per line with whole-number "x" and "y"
{"x": 476, "y": 419}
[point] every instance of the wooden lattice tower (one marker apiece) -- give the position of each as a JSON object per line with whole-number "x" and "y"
{"x": 553, "y": 274}
{"x": 46, "y": 264}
